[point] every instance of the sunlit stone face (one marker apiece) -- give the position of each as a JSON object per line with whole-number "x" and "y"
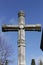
{"x": 21, "y": 34}
{"x": 21, "y": 26}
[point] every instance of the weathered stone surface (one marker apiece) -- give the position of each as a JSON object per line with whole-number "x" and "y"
{"x": 21, "y": 39}
{"x": 21, "y": 28}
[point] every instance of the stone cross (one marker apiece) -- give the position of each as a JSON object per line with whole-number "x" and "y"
{"x": 21, "y": 28}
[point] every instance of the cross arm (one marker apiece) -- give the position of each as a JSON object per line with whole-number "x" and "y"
{"x": 10, "y": 28}
{"x": 36, "y": 27}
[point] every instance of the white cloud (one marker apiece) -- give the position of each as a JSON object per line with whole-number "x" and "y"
{"x": 38, "y": 59}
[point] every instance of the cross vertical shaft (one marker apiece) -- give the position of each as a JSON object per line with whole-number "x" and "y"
{"x": 21, "y": 28}
{"x": 21, "y": 39}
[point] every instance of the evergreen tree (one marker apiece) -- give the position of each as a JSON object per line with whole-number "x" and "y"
{"x": 33, "y": 62}
{"x": 40, "y": 63}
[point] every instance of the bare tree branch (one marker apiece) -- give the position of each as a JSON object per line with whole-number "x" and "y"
{"x": 5, "y": 50}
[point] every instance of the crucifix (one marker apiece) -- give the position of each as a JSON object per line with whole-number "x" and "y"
{"x": 21, "y": 28}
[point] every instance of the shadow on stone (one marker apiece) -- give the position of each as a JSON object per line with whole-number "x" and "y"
{"x": 41, "y": 45}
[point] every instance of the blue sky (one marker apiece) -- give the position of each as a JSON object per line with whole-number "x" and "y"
{"x": 34, "y": 15}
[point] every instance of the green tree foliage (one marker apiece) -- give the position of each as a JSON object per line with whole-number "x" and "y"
{"x": 33, "y": 62}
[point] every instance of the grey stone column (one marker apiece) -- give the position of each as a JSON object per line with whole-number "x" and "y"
{"x": 21, "y": 39}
